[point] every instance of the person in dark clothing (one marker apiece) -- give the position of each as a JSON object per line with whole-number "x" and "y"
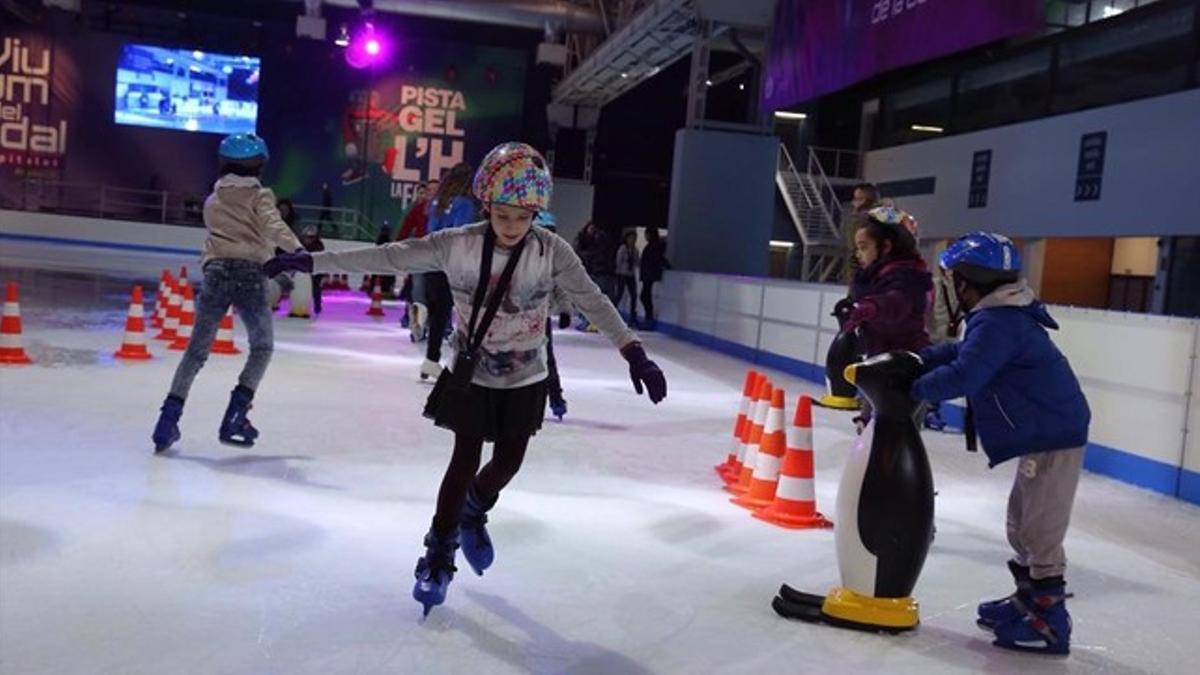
{"x": 326, "y": 216}
{"x": 310, "y": 239}
{"x": 627, "y": 267}
{"x": 452, "y": 206}
{"x": 654, "y": 261}
{"x": 865, "y": 197}
{"x": 594, "y": 248}
{"x": 413, "y": 292}
{"x": 387, "y": 282}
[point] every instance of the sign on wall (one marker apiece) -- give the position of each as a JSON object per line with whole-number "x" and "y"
{"x": 1090, "y": 173}
{"x": 821, "y": 46}
{"x": 981, "y": 175}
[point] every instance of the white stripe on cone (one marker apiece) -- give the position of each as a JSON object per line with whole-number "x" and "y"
{"x": 799, "y": 438}
{"x": 766, "y": 467}
{"x": 796, "y": 489}
{"x": 10, "y": 340}
{"x": 11, "y": 309}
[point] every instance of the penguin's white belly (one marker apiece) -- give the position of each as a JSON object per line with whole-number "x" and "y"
{"x": 856, "y": 564}
{"x": 301, "y": 295}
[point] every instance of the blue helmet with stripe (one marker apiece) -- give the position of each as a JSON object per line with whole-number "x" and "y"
{"x": 243, "y": 148}
{"x": 983, "y": 258}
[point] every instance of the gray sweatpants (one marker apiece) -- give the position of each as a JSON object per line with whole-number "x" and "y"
{"x": 1039, "y": 509}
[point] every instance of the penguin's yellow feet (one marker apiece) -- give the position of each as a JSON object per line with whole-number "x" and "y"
{"x": 892, "y": 614}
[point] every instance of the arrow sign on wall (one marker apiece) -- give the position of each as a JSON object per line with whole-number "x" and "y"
{"x": 1090, "y": 173}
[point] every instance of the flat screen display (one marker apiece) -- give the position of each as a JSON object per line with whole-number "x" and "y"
{"x": 187, "y": 90}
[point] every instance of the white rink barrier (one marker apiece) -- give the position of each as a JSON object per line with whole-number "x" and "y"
{"x": 1140, "y": 372}
{"x": 112, "y": 247}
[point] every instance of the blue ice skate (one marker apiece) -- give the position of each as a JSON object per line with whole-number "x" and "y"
{"x": 1044, "y": 626}
{"x": 995, "y": 612}
{"x": 476, "y": 544}
{"x": 435, "y": 570}
{"x": 235, "y": 426}
{"x": 558, "y": 407}
{"x": 166, "y": 431}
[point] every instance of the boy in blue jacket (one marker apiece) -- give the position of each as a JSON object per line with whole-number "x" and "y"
{"x": 1026, "y": 403}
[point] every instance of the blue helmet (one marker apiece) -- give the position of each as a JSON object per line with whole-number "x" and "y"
{"x": 242, "y": 148}
{"x": 546, "y": 219}
{"x": 983, "y": 257}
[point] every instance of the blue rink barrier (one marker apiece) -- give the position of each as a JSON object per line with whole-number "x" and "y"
{"x": 1122, "y": 465}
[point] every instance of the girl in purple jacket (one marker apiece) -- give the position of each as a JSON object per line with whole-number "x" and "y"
{"x": 892, "y": 288}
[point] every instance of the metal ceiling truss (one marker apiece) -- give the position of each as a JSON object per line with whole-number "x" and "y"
{"x": 656, "y": 37}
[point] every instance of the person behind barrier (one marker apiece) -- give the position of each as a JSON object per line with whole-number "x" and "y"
{"x": 1025, "y": 402}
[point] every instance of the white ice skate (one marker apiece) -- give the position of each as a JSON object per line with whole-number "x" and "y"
{"x": 430, "y": 369}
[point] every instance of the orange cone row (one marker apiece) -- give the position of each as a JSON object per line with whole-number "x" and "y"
{"x": 178, "y": 322}
{"x": 770, "y": 467}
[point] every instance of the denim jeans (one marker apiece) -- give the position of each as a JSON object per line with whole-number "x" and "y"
{"x": 241, "y": 283}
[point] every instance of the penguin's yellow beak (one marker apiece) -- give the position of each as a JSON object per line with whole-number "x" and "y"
{"x": 850, "y": 373}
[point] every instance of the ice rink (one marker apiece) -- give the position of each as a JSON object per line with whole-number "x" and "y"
{"x": 617, "y": 551}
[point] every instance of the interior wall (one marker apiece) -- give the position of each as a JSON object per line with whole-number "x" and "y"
{"x": 1135, "y": 256}
{"x": 1076, "y": 271}
{"x": 722, "y": 201}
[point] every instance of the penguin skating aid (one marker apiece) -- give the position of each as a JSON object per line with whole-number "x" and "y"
{"x": 884, "y": 511}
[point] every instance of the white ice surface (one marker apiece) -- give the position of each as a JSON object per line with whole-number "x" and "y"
{"x": 617, "y": 551}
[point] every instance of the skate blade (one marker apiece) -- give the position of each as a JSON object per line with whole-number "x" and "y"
{"x": 1048, "y": 650}
{"x": 236, "y": 443}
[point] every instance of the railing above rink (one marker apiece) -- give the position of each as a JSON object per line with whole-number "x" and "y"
{"x": 170, "y": 208}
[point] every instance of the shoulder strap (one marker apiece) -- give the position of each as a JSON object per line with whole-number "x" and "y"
{"x": 476, "y": 335}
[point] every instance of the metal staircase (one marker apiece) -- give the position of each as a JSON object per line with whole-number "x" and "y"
{"x": 816, "y": 213}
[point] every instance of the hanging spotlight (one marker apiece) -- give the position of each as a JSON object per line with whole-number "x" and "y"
{"x": 343, "y": 38}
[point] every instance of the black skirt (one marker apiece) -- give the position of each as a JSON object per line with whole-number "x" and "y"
{"x": 486, "y": 412}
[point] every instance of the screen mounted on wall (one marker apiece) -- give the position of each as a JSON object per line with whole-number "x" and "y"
{"x": 185, "y": 89}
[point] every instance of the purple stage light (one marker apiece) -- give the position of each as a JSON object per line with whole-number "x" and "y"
{"x": 367, "y": 47}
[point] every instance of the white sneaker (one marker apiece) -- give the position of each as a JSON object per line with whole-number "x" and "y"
{"x": 430, "y": 369}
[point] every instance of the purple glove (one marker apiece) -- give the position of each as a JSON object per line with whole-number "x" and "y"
{"x": 300, "y": 261}
{"x": 644, "y": 371}
{"x": 862, "y": 312}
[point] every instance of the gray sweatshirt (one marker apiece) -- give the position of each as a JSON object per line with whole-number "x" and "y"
{"x": 514, "y": 351}
{"x": 243, "y": 222}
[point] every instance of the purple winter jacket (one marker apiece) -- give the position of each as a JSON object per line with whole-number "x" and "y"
{"x": 891, "y": 299}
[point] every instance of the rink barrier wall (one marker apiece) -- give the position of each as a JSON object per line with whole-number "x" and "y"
{"x": 1145, "y": 404}
{"x": 1145, "y": 419}
{"x": 112, "y": 247}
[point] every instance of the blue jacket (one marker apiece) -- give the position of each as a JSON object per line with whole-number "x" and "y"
{"x": 462, "y": 212}
{"x": 1023, "y": 393}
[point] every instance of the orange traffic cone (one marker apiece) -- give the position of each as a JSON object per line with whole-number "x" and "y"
{"x": 134, "y": 344}
{"x": 224, "y": 342}
{"x": 795, "y": 504}
{"x": 155, "y": 319}
{"x": 187, "y": 319}
{"x": 11, "y": 350}
{"x": 757, "y": 422}
{"x": 160, "y": 314}
{"x": 171, "y": 319}
{"x": 766, "y": 469}
{"x": 731, "y": 464}
{"x": 376, "y": 301}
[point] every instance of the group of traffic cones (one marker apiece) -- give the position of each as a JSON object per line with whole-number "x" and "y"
{"x": 335, "y": 282}
{"x": 174, "y": 314}
{"x": 770, "y": 467}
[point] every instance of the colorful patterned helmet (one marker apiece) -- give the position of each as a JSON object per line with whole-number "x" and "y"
{"x": 514, "y": 174}
{"x": 890, "y": 215}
